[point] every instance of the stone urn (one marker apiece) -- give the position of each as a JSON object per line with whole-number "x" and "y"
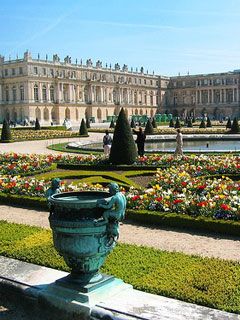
{"x": 80, "y": 233}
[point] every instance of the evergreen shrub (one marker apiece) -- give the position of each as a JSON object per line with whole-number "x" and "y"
{"x": 6, "y": 135}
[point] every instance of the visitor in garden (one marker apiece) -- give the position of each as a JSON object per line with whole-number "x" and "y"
{"x": 140, "y": 141}
{"x": 107, "y": 143}
{"x": 179, "y": 146}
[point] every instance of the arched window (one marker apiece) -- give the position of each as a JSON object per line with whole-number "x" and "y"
{"x": 38, "y": 113}
{"x": 126, "y": 112}
{"x": 77, "y": 115}
{"x": 99, "y": 114}
{"x": 141, "y": 112}
{"x": 52, "y": 93}
{"x": 136, "y": 111}
{"x": 54, "y": 114}
{"x": 7, "y": 94}
{"x": 14, "y": 94}
{"x": 46, "y": 114}
{"x": 106, "y": 113}
{"x": 22, "y": 93}
{"x": 35, "y": 91}
{"x": 135, "y": 97}
{"x": 151, "y": 98}
{"x": 44, "y": 93}
{"x": 67, "y": 114}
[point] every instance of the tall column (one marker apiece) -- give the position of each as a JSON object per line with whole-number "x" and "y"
{"x": 1, "y": 94}
{"x": 225, "y": 95}
{"x": 212, "y": 96}
{"x": 208, "y": 96}
{"x": 200, "y": 96}
{"x": 196, "y": 96}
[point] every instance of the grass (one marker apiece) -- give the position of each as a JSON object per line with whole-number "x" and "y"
{"x": 206, "y": 281}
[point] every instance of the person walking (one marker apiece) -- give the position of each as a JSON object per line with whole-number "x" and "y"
{"x": 140, "y": 141}
{"x": 107, "y": 143}
{"x": 179, "y": 146}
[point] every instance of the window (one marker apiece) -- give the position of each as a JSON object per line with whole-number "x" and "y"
{"x": 7, "y": 94}
{"x": 44, "y": 93}
{"x": 14, "y": 94}
{"x": 139, "y": 81}
{"x": 44, "y": 71}
{"x": 52, "y": 93}
{"x": 35, "y": 70}
{"x": 20, "y": 70}
{"x": 151, "y": 82}
{"x": 145, "y": 81}
{"x": 6, "y": 72}
{"x": 13, "y": 72}
{"x": 51, "y": 72}
{"x": 35, "y": 91}
{"x": 21, "y": 93}
{"x": 183, "y": 83}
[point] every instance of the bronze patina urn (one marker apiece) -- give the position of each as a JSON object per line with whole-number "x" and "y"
{"x": 85, "y": 230}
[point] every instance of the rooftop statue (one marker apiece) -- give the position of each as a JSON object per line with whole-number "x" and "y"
{"x": 68, "y": 59}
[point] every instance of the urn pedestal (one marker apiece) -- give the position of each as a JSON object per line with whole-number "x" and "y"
{"x": 80, "y": 236}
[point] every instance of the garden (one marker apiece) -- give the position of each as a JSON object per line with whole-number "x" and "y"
{"x": 197, "y": 192}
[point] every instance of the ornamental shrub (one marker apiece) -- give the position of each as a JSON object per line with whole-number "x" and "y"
{"x": 229, "y": 124}
{"x": 177, "y": 124}
{"x": 6, "y": 135}
{"x": 37, "y": 125}
{"x": 235, "y": 126}
{"x": 123, "y": 150}
{"x": 209, "y": 124}
{"x": 88, "y": 123}
{"x": 202, "y": 124}
{"x": 83, "y": 129}
{"x": 149, "y": 128}
{"x": 171, "y": 124}
{"x": 154, "y": 124}
{"x": 112, "y": 125}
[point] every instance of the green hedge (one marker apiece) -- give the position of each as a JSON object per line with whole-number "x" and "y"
{"x": 207, "y": 281}
{"x": 154, "y": 218}
{"x": 182, "y": 221}
{"x": 99, "y": 167}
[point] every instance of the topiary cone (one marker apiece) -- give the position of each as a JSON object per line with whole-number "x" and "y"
{"x": 6, "y": 135}
{"x": 37, "y": 125}
{"x": 83, "y": 129}
{"x": 149, "y": 128}
{"x": 235, "y": 126}
{"x": 123, "y": 150}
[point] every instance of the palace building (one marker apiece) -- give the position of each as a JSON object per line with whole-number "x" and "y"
{"x": 54, "y": 90}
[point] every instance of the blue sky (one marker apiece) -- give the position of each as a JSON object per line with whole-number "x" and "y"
{"x": 169, "y": 37}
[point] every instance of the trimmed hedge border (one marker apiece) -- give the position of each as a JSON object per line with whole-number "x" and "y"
{"x": 99, "y": 167}
{"x": 153, "y": 218}
{"x": 181, "y": 221}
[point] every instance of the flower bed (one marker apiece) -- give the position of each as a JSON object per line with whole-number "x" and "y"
{"x": 181, "y": 185}
{"x": 31, "y": 134}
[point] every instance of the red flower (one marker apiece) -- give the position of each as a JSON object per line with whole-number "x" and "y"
{"x": 202, "y": 187}
{"x": 202, "y": 204}
{"x": 176, "y": 201}
{"x": 134, "y": 198}
{"x": 225, "y": 207}
{"x": 159, "y": 199}
{"x": 184, "y": 183}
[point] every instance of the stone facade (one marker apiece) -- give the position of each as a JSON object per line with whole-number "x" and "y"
{"x": 216, "y": 95}
{"x": 53, "y": 90}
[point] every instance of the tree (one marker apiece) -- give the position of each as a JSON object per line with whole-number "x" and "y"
{"x": 112, "y": 125}
{"x": 6, "y": 135}
{"x": 83, "y": 129}
{"x": 123, "y": 150}
{"x": 235, "y": 126}
{"x": 202, "y": 124}
{"x": 154, "y": 124}
{"x": 229, "y": 124}
{"x": 171, "y": 124}
{"x": 209, "y": 124}
{"x": 133, "y": 124}
{"x": 88, "y": 125}
{"x": 149, "y": 128}
{"x": 177, "y": 124}
{"x": 37, "y": 125}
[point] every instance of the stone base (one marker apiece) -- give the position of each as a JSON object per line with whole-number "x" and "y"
{"x": 46, "y": 297}
{"x": 71, "y": 283}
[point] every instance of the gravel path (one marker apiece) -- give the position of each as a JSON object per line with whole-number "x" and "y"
{"x": 207, "y": 245}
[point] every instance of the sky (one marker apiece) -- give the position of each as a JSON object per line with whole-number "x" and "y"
{"x": 169, "y": 37}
